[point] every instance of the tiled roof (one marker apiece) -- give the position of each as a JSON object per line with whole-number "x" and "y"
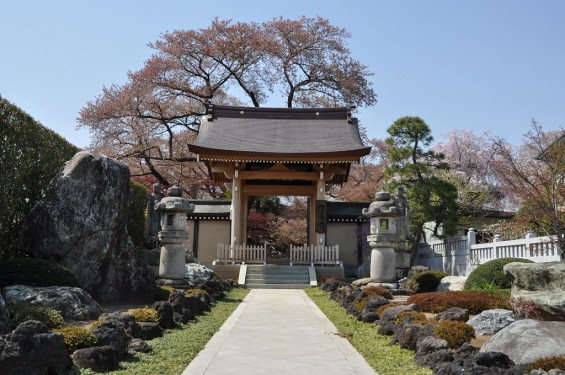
{"x": 279, "y": 133}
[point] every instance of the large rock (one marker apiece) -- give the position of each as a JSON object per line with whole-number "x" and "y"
{"x": 98, "y": 358}
{"x": 453, "y": 313}
{"x": 451, "y": 283}
{"x": 538, "y": 289}
{"x": 31, "y": 349}
{"x": 491, "y": 321}
{"x": 72, "y": 303}
{"x": 81, "y": 223}
{"x": 5, "y": 322}
{"x": 198, "y": 274}
{"x": 389, "y": 316}
{"x": 528, "y": 340}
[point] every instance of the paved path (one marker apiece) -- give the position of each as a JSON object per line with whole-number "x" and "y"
{"x": 278, "y": 332}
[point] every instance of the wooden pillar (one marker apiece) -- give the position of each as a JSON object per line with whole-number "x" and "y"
{"x": 321, "y": 215}
{"x": 244, "y": 214}
{"x": 236, "y": 211}
{"x": 312, "y": 237}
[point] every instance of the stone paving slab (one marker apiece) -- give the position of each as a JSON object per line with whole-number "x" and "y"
{"x": 278, "y": 331}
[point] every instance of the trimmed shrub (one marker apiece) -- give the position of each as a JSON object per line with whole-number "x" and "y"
{"x": 377, "y": 291}
{"x": 548, "y": 363}
{"x": 31, "y": 156}
{"x": 76, "y": 337}
{"x": 491, "y": 274}
{"x": 455, "y": 333}
{"x": 136, "y": 212}
{"x": 473, "y": 301}
{"x": 145, "y": 314}
{"x": 35, "y": 272}
{"x": 425, "y": 282}
{"x": 162, "y": 292}
{"x": 196, "y": 292}
{"x": 418, "y": 317}
{"x": 21, "y": 312}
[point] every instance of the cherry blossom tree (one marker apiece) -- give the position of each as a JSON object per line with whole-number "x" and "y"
{"x": 149, "y": 121}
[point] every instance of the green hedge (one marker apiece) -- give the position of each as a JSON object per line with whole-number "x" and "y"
{"x": 136, "y": 212}
{"x": 491, "y": 274}
{"x": 30, "y": 156}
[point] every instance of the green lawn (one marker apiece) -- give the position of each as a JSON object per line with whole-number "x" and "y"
{"x": 178, "y": 347}
{"x": 375, "y": 348}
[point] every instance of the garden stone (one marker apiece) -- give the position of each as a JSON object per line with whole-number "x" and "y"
{"x": 493, "y": 359}
{"x": 5, "y": 321}
{"x": 81, "y": 224}
{"x": 139, "y": 346}
{"x": 542, "y": 339}
{"x": 98, "y": 358}
{"x": 32, "y": 349}
{"x": 389, "y": 316}
{"x": 150, "y": 330}
{"x": 331, "y": 285}
{"x": 431, "y": 350}
{"x": 181, "y": 309}
{"x": 407, "y": 333}
{"x": 165, "y": 313}
{"x": 376, "y": 302}
{"x": 72, "y": 303}
{"x": 368, "y": 316}
{"x": 453, "y": 313}
{"x": 113, "y": 334}
{"x": 198, "y": 274}
{"x": 451, "y": 283}
{"x": 538, "y": 289}
{"x": 127, "y": 321}
{"x": 491, "y": 321}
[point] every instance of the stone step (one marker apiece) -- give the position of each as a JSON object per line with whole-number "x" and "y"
{"x": 277, "y": 286}
{"x": 275, "y": 280}
{"x": 277, "y": 276}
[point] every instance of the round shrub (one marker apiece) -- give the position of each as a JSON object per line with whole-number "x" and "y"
{"x": 473, "y": 300}
{"x": 455, "y": 333}
{"x": 377, "y": 291}
{"x": 425, "y": 282}
{"x": 21, "y": 312}
{"x": 35, "y": 272}
{"x": 76, "y": 337}
{"x": 491, "y": 274}
{"x": 418, "y": 317}
{"x": 145, "y": 314}
{"x": 548, "y": 363}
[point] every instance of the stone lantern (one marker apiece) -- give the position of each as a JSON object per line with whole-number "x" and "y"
{"x": 385, "y": 219}
{"x": 173, "y": 234}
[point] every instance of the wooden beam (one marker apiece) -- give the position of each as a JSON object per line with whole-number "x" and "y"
{"x": 287, "y": 190}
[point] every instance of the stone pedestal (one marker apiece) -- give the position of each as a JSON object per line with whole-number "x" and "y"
{"x": 383, "y": 265}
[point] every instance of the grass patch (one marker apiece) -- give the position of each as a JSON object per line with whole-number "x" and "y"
{"x": 178, "y": 347}
{"x": 383, "y": 358}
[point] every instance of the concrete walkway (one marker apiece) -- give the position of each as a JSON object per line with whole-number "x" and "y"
{"x": 278, "y": 331}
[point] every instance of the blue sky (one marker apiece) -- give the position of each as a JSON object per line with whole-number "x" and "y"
{"x": 480, "y": 65}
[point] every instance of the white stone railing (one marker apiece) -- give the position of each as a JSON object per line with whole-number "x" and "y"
{"x": 458, "y": 256}
{"x": 322, "y": 255}
{"x": 241, "y": 254}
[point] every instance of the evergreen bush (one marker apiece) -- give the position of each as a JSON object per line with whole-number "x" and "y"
{"x": 76, "y": 337}
{"x": 491, "y": 274}
{"x": 22, "y": 312}
{"x": 35, "y": 272}
{"x": 31, "y": 156}
{"x": 455, "y": 333}
{"x": 145, "y": 314}
{"x": 427, "y": 281}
